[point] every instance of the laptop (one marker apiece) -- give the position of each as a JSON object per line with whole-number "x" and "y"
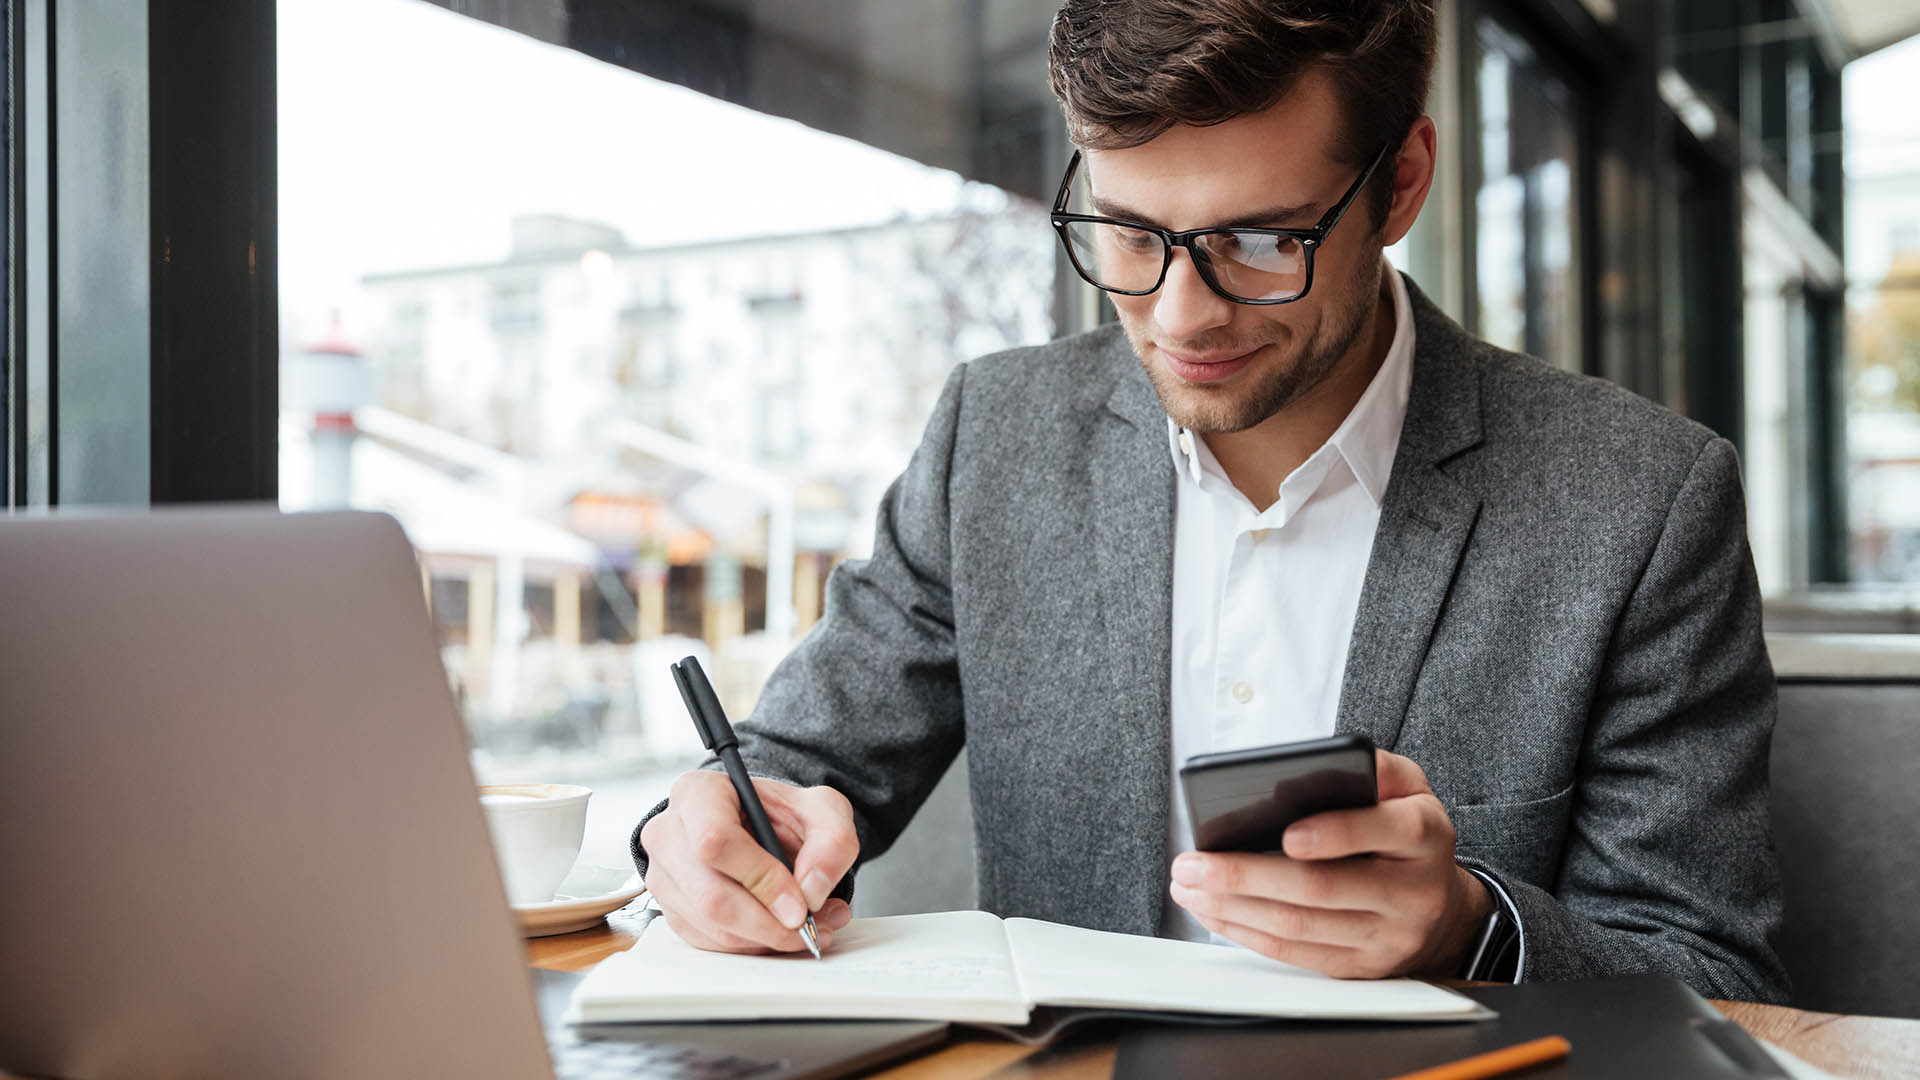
{"x": 238, "y": 831}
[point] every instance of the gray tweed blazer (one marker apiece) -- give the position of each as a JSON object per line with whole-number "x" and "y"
{"x": 1559, "y": 622}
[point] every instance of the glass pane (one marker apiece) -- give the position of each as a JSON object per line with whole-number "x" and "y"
{"x": 1883, "y": 314}
{"x": 631, "y": 364}
{"x": 1527, "y": 272}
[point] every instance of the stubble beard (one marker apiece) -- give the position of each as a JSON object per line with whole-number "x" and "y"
{"x": 1279, "y": 380}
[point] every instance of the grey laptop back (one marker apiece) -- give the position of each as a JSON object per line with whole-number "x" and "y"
{"x": 238, "y": 833}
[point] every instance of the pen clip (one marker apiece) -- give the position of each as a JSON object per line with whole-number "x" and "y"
{"x": 704, "y": 704}
{"x": 685, "y": 686}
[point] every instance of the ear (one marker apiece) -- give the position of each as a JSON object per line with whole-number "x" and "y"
{"x": 1412, "y": 179}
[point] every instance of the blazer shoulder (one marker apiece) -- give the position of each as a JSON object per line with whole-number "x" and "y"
{"x": 1056, "y": 368}
{"x": 1535, "y": 408}
{"x": 1034, "y": 382}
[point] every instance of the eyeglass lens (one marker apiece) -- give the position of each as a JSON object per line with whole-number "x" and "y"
{"x": 1245, "y": 265}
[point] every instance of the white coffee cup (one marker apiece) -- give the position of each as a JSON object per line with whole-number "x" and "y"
{"x": 536, "y": 830}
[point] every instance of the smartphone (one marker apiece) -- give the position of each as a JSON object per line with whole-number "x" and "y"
{"x": 1243, "y": 800}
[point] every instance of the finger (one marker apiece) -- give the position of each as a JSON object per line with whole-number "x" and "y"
{"x": 684, "y": 916}
{"x": 1330, "y": 959}
{"x": 789, "y": 834}
{"x": 716, "y": 941}
{"x": 741, "y": 862}
{"x": 834, "y": 914}
{"x": 1358, "y": 885}
{"x": 824, "y": 811}
{"x": 786, "y": 822}
{"x": 1294, "y": 922}
{"x": 828, "y": 845}
{"x": 1399, "y": 827}
{"x": 709, "y": 818}
{"x": 715, "y": 905}
{"x": 1399, "y": 776}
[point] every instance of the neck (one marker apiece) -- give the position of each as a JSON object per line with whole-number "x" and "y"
{"x": 1260, "y": 457}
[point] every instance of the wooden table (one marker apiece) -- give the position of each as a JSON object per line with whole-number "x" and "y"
{"x": 1847, "y": 1045}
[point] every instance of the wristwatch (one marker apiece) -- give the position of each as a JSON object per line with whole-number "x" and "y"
{"x": 1496, "y": 952}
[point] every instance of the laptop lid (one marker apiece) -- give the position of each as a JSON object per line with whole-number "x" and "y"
{"x": 238, "y": 829}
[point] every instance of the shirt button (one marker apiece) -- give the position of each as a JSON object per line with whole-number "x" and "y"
{"x": 1259, "y": 534}
{"x": 1186, "y": 443}
{"x": 1243, "y": 692}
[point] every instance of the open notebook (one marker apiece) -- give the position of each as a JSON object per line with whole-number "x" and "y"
{"x": 971, "y": 966}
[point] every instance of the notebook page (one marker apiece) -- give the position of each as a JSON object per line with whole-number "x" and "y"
{"x": 948, "y": 966}
{"x": 1074, "y": 966}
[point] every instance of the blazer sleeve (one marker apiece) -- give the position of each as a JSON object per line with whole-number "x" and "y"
{"x": 869, "y": 702}
{"x": 1669, "y": 865}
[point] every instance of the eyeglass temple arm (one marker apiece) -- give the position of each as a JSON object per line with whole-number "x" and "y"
{"x": 1060, "y": 197}
{"x": 1339, "y": 209}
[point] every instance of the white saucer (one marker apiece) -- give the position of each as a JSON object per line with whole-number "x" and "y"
{"x": 587, "y": 896}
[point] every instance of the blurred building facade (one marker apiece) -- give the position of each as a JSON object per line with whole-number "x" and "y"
{"x": 605, "y": 452}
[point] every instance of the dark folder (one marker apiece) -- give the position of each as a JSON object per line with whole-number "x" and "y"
{"x": 1644, "y": 1027}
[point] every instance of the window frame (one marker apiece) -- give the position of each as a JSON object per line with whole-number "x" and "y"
{"x": 200, "y": 125}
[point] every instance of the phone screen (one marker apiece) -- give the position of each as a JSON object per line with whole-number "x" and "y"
{"x": 1244, "y": 800}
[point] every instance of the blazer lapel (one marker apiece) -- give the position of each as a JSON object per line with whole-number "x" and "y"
{"x": 1132, "y": 527}
{"x": 1426, "y": 518}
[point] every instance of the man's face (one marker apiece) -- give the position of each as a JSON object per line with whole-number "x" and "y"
{"x": 1219, "y": 366}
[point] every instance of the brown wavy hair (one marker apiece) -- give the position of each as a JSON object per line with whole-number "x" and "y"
{"x": 1127, "y": 70}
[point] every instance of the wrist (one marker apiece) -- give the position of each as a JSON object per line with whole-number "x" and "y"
{"x": 1473, "y": 905}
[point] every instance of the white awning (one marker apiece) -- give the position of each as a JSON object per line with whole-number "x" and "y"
{"x": 442, "y": 514}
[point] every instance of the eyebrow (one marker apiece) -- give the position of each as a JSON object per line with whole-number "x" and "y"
{"x": 1270, "y": 217}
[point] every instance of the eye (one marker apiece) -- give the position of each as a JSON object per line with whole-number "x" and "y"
{"x": 1259, "y": 251}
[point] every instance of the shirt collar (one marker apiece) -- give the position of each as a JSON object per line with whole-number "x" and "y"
{"x": 1369, "y": 436}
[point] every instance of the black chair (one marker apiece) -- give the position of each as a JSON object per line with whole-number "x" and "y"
{"x": 1846, "y": 807}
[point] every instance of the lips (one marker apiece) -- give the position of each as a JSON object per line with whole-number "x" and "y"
{"x": 1206, "y": 367}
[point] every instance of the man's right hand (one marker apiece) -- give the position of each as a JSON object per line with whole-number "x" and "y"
{"x": 720, "y": 890}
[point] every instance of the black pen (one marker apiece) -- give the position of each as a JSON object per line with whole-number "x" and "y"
{"x": 711, "y": 721}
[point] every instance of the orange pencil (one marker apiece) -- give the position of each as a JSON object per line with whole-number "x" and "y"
{"x": 1497, "y": 1063}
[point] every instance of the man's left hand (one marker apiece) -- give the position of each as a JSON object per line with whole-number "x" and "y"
{"x": 1365, "y": 893}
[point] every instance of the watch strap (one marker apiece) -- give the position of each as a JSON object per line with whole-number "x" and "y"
{"x": 1496, "y": 950}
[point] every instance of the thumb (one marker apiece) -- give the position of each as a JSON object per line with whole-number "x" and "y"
{"x": 1399, "y": 776}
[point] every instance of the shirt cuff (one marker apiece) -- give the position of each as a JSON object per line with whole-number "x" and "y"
{"x": 1507, "y": 905}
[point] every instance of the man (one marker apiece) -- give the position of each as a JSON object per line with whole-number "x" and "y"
{"x": 1287, "y": 497}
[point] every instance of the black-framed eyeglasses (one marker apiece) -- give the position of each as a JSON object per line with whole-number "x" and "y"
{"x": 1244, "y": 265}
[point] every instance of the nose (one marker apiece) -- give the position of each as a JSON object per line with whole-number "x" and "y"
{"x": 1186, "y": 307}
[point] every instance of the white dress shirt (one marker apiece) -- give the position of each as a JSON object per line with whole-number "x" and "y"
{"x": 1264, "y": 601}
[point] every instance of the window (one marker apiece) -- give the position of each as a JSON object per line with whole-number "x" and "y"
{"x": 1883, "y": 317}
{"x": 1882, "y": 371}
{"x": 630, "y": 363}
{"x": 514, "y": 306}
{"x": 1528, "y": 271}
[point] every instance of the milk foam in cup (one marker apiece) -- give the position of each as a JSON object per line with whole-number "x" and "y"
{"x": 537, "y": 829}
